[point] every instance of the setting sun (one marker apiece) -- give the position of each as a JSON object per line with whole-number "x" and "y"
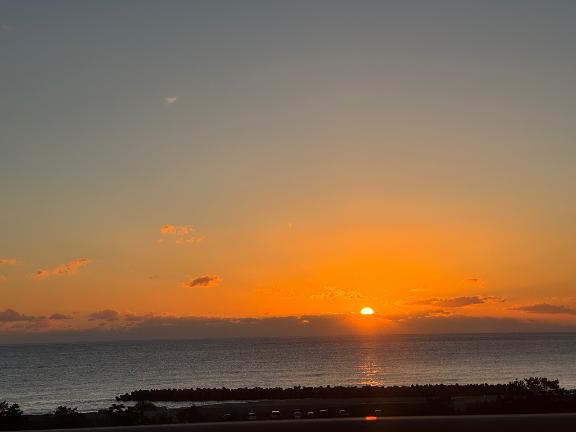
{"x": 367, "y": 311}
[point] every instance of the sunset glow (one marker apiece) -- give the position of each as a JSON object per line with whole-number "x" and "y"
{"x": 367, "y": 311}
{"x": 239, "y": 169}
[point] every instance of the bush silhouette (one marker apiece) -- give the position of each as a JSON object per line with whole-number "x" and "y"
{"x": 68, "y": 417}
{"x": 121, "y": 415}
{"x": 10, "y": 415}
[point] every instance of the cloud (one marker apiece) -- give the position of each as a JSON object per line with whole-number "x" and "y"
{"x": 20, "y": 328}
{"x": 13, "y": 320}
{"x": 162, "y": 326}
{"x": 203, "y": 281}
{"x": 129, "y": 317}
{"x": 410, "y": 316}
{"x": 59, "y": 317}
{"x": 330, "y": 292}
{"x": 181, "y": 234}
{"x": 453, "y": 302}
{"x": 468, "y": 324}
{"x": 8, "y": 261}
{"x": 461, "y": 301}
{"x": 176, "y": 229}
{"x": 545, "y": 308}
{"x": 10, "y": 315}
{"x": 64, "y": 269}
{"x": 104, "y": 315}
{"x": 170, "y": 100}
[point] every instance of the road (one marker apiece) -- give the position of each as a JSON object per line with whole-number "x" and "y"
{"x": 484, "y": 423}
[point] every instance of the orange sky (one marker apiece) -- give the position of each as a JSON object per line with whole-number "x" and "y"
{"x": 287, "y": 160}
{"x": 408, "y": 272}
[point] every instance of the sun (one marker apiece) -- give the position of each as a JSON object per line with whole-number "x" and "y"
{"x": 367, "y": 311}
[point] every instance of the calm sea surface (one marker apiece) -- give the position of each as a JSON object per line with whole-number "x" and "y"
{"x": 89, "y": 375}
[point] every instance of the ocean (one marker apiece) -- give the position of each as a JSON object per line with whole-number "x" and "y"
{"x": 41, "y": 377}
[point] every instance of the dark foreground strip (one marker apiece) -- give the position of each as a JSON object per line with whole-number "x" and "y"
{"x": 487, "y": 423}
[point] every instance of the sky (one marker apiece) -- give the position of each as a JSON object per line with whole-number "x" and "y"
{"x": 223, "y": 168}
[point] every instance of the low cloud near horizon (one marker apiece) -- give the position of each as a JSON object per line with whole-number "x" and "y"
{"x": 10, "y": 315}
{"x": 13, "y": 320}
{"x": 545, "y": 308}
{"x": 16, "y": 327}
{"x": 59, "y": 316}
{"x": 104, "y": 315}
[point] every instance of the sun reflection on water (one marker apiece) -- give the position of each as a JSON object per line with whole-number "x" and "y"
{"x": 369, "y": 367}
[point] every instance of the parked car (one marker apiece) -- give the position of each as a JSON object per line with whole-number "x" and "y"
{"x": 343, "y": 413}
{"x": 275, "y": 415}
{"x": 252, "y": 416}
{"x": 297, "y": 414}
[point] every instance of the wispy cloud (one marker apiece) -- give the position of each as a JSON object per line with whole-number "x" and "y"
{"x": 420, "y": 315}
{"x": 453, "y": 302}
{"x": 176, "y": 229}
{"x": 8, "y": 261}
{"x": 104, "y": 315}
{"x": 66, "y": 269}
{"x": 331, "y": 292}
{"x": 170, "y": 100}
{"x": 545, "y": 308}
{"x": 180, "y": 234}
{"x": 203, "y": 282}
{"x": 461, "y": 301}
{"x": 477, "y": 282}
